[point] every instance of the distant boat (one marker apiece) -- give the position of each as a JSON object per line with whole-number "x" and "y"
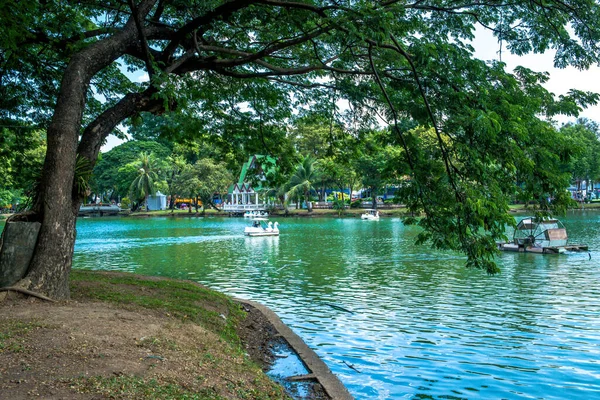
{"x": 98, "y": 210}
{"x": 262, "y": 227}
{"x": 370, "y": 215}
{"x": 256, "y": 214}
{"x": 533, "y": 235}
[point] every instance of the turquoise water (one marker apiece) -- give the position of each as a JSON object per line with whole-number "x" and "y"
{"x": 414, "y": 322}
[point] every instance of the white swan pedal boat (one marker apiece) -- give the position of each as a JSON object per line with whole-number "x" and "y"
{"x": 370, "y": 215}
{"x": 262, "y": 227}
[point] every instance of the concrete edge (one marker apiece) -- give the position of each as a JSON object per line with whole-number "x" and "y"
{"x": 334, "y": 388}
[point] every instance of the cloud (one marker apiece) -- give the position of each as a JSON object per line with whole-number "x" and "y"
{"x": 561, "y": 80}
{"x": 143, "y": 78}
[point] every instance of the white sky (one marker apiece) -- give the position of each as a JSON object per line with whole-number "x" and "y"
{"x": 112, "y": 140}
{"x": 486, "y": 48}
{"x": 561, "y": 80}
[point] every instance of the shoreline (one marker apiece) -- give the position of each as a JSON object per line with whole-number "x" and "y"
{"x": 385, "y": 212}
{"x": 137, "y": 336}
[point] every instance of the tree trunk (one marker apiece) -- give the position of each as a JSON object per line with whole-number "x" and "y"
{"x": 308, "y": 202}
{"x": 374, "y": 198}
{"x": 56, "y": 203}
{"x": 343, "y": 196}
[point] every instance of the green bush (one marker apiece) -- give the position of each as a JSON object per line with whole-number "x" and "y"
{"x": 125, "y": 202}
{"x": 338, "y": 204}
{"x": 356, "y": 204}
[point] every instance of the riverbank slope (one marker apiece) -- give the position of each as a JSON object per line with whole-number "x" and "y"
{"x": 134, "y": 337}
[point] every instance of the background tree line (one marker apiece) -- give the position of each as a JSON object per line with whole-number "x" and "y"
{"x": 317, "y": 157}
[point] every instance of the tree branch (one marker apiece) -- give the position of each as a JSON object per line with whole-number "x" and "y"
{"x": 147, "y": 56}
{"x": 392, "y": 108}
{"x": 445, "y": 155}
{"x": 222, "y": 11}
{"x": 95, "y": 133}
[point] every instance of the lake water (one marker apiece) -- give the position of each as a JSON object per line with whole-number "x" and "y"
{"x": 413, "y": 321}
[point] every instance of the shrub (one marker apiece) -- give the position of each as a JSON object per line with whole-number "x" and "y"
{"x": 125, "y": 202}
{"x": 356, "y": 204}
{"x": 339, "y": 205}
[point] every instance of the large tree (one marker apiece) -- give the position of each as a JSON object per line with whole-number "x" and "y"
{"x": 110, "y": 175}
{"x": 378, "y": 163}
{"x": 144, "y": 184}
{"x": 22, "y": 150}
{"x": 584, "y": 165}
{"x": 241, "y": 60}
{"x": 304, "y": 180}
{"x": 202, "y": 180}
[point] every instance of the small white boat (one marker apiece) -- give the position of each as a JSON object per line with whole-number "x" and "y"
{"x": 256, "y": 214}
{"x": 262, "y": 227}
{"x": 370, "y": 215}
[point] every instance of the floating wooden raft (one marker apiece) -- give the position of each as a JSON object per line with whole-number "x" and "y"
{"x": 541, "y": 250}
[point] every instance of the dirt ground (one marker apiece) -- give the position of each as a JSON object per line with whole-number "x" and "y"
{"x": 95, "y": 350}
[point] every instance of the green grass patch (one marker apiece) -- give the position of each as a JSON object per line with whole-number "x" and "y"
{"x": 180, "y": 299}
{"x": 131, "y": 387}
{"x": 13, "y": 334}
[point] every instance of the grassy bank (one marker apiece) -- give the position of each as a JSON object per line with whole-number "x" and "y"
{"x": 124, "y": 336}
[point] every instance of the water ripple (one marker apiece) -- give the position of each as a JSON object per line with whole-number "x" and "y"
{"x": 413, "y": 321}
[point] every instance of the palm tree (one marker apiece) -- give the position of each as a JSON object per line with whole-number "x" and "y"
{"x": 143, "y": 184}
{"x": 303, "y": 180}
{"x": 175, "y": 166}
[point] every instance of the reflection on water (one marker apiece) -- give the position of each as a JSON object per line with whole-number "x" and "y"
{"x": 414, "y": 322}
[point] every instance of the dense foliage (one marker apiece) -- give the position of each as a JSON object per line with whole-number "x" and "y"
{"x": 22, "y": 149}
{"x": 112, "y": 175}
{"x": 234, "y": 73}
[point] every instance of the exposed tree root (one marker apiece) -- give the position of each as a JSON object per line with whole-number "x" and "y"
{"x": 27, "y": 292}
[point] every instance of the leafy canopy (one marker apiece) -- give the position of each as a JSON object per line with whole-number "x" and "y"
{"x": 237, "y": 69}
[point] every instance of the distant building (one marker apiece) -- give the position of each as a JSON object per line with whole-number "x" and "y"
{"x": 157, "y": 202}
{"x": 245, "y": 194}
